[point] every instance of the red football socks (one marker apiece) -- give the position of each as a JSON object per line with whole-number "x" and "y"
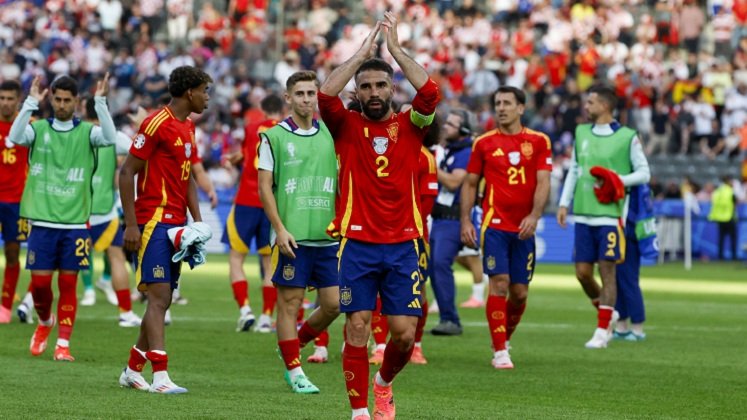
{"x": 269, "y": 298}
{"x": 513, "y": 317}
{"x": 159, "y": 360}
{"x": 137, "y": 360}
{"x": 41, "y": 290}
{"x": 604, "y": 315}
{"x": 495, "y": 311}
{"x": 124, "y": 300}
{"x": 241, "y": 292}
{"x": 306, "y": 334}
{"x": 394, "y": 361}
{"x": 10, "y": 281}
{"x": 322, "y": 340}
{"x": 355, "y": 369}
{"x": 291, "y": 352}
{"x": 67, "y": 305}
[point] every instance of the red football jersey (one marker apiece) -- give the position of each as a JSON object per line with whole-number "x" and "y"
{"x": 428, "y": 180}
{"x": 14, "y": 165}
{"x": 248, "y": 192}
{"x": 509, "y": 164}
{"x": 379, "y": 184}
{"x": 168, "y": 147}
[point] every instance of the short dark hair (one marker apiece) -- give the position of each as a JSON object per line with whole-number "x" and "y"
{"x": 301, "y": 76}
{"x": 184, "y": 78}
{"x": 606, "y": 94}
{"x": 11, "y": 85}
{"x": 519, "y": 94}
{"x": 64, "y": 82}
{"x": 271, "y": 104}
{"x": 375, "y": 64}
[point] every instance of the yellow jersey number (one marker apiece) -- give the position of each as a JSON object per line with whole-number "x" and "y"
{"x": 381, "y": 164}
{"x": 186, "y": 169}
{"x": 514, "y": 173}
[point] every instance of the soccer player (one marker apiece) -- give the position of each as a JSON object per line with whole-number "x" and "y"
{"x": 599, "y": 237}
{"x": 247, "y": 220}
{"x": 297, "y": 185}
{"x": 516, "y": 163}
{"x": 445, "y": 236}
{"x": 13, "y": 168}
{"x": 106, "y": 232}
{"x": 57, "y": 199}
{"x": 161, "y": 155}
{"x": 381, "y": 218}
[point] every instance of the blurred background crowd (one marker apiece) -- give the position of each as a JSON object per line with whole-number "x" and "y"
{"x": 679, "y": 66}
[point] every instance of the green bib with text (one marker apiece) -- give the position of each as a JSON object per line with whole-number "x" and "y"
{"x": 305, "y": 181}
{"x": 611, "y": 152}
{"x": 61, "y": 165}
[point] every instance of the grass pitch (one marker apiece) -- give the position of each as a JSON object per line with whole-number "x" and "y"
{"x": 692, "y": 364}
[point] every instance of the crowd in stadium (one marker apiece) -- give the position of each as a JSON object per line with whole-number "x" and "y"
{"x": 679, "y": 66}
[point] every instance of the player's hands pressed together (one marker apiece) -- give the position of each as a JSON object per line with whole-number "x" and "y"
{"x": 131, "y": 238}
{"x": 469, "y": 234}
{"x": 562, "y": 215}
{"x": 390, "y": 27}
{"x": 102, "y": 86}
{"x": 286, "y": 243}
{"x": 369, "y": 44}
{"x": 35, "y": 91}
{"x": 528, "y": 226}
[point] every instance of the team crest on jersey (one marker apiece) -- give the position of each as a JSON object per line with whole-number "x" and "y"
{"x": 514, "y": 158}
{"x": 188, "y": 150}
{"x": 346, "y": 296}
{"x": 527, "y": 149}
{"x": 289, "y": 272}
{"x": 393, "y": 131}
{"x": 380, "y": 144}
{"x": 490, "y": 261}
{"x": 139, "y": 141}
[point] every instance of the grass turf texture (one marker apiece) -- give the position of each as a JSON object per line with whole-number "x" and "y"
{"x": 690, "y": 366}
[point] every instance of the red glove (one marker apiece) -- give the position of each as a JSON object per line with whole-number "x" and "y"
{"x": 610, "y": 187}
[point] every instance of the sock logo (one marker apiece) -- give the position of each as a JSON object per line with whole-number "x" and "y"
{"x": 67, "y": 308}
{"x": 349, "y": 376}
{"x": 67, "y": 321}
{"x": 295, "y": 362}
{"x": 497, "y": 315}
{"x": 500, "y": 329}
{"x": 353, "y": 393}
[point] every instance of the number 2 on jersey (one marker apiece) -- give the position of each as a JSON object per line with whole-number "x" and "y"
{"x": 382, "y": 162}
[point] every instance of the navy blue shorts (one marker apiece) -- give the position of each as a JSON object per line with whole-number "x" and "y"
{"x": 53, "y": 249}
{"x": 597, "y": 243}
{"x": 107, "y": 234}
{"x": 391, "y": 271}
{"x": 245, "y": 223}
{"x": 505, "y": 253}
{"x": 14, "y": 228}
{"x": 153, "y": 261}
{"x": 314, "y": 266}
